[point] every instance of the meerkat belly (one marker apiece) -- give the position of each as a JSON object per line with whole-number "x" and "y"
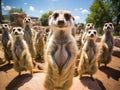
{"x": 61, "y": 55}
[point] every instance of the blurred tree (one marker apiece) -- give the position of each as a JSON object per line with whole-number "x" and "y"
{"x": 114, "y": 6}
{"x": 44, "y": 18}
{"x": 0, "y": 11}
{"x": 99, "y": 14}
{"x": 103, "y": 11}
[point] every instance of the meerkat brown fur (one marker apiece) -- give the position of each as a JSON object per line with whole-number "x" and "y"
{"x": 6, "y": 42}
{"x": 106, "y": 45}
{"x": 61, "y": 52}
{"x": 22, "y": 57}
{"x": 87, "y": 64}
{"x": 28, "y": 36}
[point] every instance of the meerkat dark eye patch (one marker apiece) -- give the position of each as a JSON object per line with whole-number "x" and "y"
{"x": 110, "y": 25}
{"x": 56, "y": 15}
{"x": 13, "y": 30}
{"x": 29, "y": 19}
{"x": 95, "y": 33}
{"x": 19, "y": 29}
{"x": 88, "y": 25}
{"x": 5, "y": 25}
{"x": 67, "y": 16}
{"x": 105, "y": 25}
{"x": 89, "y": 32}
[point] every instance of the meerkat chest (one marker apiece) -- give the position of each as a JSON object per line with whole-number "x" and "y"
{"x": 91, "y": 50}
{"x": 18, "y": 48}
{"x": 5, "y": 39}
{"x": 61, "y": 55}
{"x": 108, "y": 38}
{"x": 27, "y": 33}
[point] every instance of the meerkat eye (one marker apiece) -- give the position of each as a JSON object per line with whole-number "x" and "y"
{"x": 56, "y": 15}
{"x": 13, "y": 30}
{"x": 29, "y": 19}
{"x": 5, "y": 25}
{"x": 89, "y": 32}
{"x": 88, "y": 25}
{"x": 105, "y": 25}
{"x": 111, "y": 25}
{"x": 95, "y": 33}
{"x": 19, "y": 29}
{"x": 67, "y": 16}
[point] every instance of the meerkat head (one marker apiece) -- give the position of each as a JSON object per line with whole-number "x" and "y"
{"x": 61, "y": 20}
{"x": 108, "y": 27}
{"x": 91, "y": 34}
{"x": 17, "y": 32}
{"x": 5, "y": 27}
{"x": 27, "y": 20}
{"x": 89, "y": 26}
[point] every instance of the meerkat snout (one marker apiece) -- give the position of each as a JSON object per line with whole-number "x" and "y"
{"x": 108, "y": 27}
{"x": 27, "y": 20}
{"x": 92, "y": 34}
{"x": 61, "y": 19}
{"x": 17, "y": 31}
{"x": 5, "y": 26}
{"x": 89, "y": 26}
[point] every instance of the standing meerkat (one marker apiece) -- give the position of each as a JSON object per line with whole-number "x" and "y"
{"x": 28, "y": 35}
{"x": 22, "y": 57}
{"x": 87, "y": 64}
{"x": 39, "y": 44}
{"x": 87, "y": 27}
{"x": 61, "y": 52}
{"x": 106, "y": 45}
{"x": 6, "y": 42}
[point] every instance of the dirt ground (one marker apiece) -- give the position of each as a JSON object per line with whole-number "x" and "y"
{"x": 105, "y": 79}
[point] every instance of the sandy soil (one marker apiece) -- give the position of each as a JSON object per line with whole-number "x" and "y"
{"x": 105, "y": 79}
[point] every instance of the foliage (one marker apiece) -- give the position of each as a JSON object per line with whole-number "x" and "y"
{"x": 44, "y": 18}
{"x": 103, "y": 11}
{"x": 7, "y": 18}
{"x": 19, "y": 10}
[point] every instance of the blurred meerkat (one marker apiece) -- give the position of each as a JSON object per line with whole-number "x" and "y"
{"x": 20, "y": 51}
{"x": 87, "y": 64}
{"x": 6, "y": 42}
{"x": 61, "y": 52}
{"x": 87, "y": 27}
{"x": 28, "y": 35}
{"x": 39, "y": 44}
{"x": 106, "y": 45}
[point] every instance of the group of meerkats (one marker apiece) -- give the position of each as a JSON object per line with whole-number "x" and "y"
{"x": 60, "y": 51}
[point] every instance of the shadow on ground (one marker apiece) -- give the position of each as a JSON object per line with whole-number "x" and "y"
{"x": 110, "y": 72}
{"x": 90, "y": 83}
{"x": 18, "y": 81}
{"x": 6, "y": 67}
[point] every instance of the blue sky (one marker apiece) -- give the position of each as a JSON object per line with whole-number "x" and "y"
{"x": 78, "y": 8}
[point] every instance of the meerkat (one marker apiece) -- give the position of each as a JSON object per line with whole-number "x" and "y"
{"x": 28, "y": 35}
{"x": 61, "y": 52}
{"x": 6, "y": 42}
{"x": 87, "y": 64}
{"x": 106, "y": 45}
{"x": 22, "y": 57}
{"x": 39, "y": 44}
{"x": 87, "y": 27}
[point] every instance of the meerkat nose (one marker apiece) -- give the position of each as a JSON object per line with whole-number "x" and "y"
{"x": 3, "y": 28}
{"x": 16, "y": 33}
{"x": 108, "y": 27}
{"x": 61, "y": 22}
{"x": 92, "y": 35}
